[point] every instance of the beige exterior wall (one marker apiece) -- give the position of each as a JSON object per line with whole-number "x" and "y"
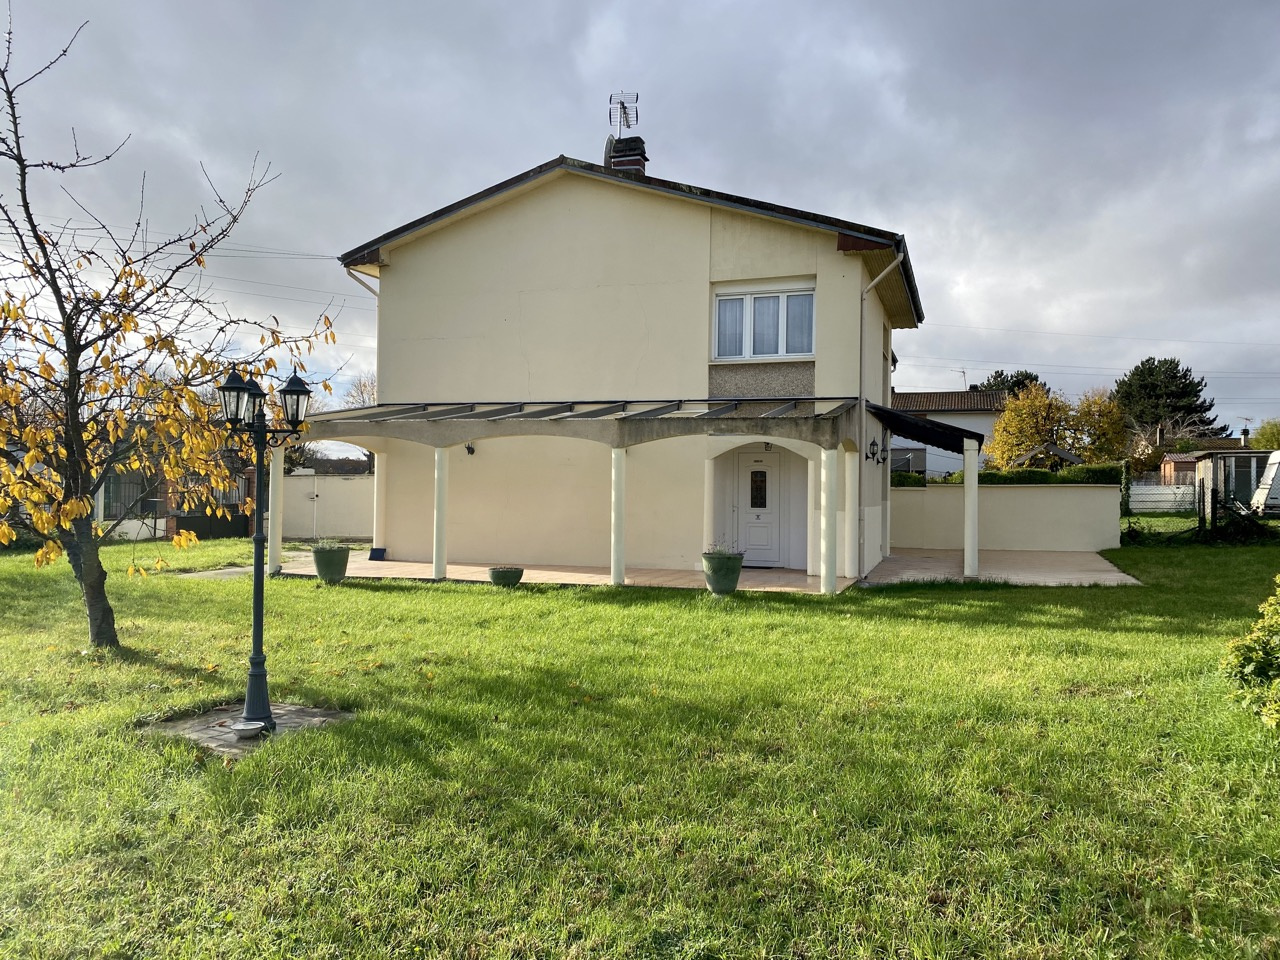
{"x": 581, "y": 289}
{"x": 1032, "y": 517}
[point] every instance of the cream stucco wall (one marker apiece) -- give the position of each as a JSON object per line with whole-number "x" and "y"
{"x": 580, "y": 289}
{"x": 1033, "y": 517}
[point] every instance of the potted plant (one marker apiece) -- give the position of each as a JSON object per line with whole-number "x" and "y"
{"x": 722, "y": 565}
{"x": 505, "y": 576}
{"x": 330, "y": 558}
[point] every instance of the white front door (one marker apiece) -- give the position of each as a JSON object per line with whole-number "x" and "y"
{"x": 759, "y": 505}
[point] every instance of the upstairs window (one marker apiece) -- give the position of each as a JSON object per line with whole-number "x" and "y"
{"x": 762, "y": 326}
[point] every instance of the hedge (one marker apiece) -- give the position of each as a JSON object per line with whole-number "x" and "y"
{"x": 1102, "y": 473}
{"x": 902, "y": 478}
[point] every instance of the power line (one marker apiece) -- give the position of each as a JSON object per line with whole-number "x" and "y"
{"x": 1104, "y": 336}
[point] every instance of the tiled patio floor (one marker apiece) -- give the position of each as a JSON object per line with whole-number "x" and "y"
{"x": 792, "y": 581}
{"x": 1043, "y": 568}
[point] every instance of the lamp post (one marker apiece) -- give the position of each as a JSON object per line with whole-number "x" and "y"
{"x": 244, "y": 407}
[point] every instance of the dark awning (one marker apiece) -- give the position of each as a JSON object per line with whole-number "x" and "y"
{"x": 930, "y": 432}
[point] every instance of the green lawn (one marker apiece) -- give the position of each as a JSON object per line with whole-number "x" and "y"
{"x": 919, "y": 771}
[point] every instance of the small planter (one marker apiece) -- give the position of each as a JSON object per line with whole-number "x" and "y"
{"x": 722, "y": 571}
{"x": 505, "y": 576}
{"x": 331, "y": 562}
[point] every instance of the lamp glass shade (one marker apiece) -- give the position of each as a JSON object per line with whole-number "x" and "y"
{"x": 873, "y": 449}
{"x": 294, "y": 397}
{"x": 257, "y": 398}
{"x": 234, "y": 394}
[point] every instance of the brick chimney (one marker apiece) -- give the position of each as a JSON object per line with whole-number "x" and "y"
{"x": 628, "y": 154}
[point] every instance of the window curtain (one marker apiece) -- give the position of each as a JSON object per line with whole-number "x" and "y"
{"x": 800, "y": 323}
{"x": 764, "y": 326}
{"x": 729, "y": 327}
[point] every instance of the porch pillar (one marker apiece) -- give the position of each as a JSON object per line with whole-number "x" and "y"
{"x": 811, "y": 514}
{"x": 618, "y": 519}
{"x": 970, "y": 508}
{"x": 708, "y": 503}
{"x": 851, "y": 479}
{"x": 379, "y": 504}
{"x": 275, "y": 510}
{"x": 439, "y": 551}
{"x": 827, "y": 562}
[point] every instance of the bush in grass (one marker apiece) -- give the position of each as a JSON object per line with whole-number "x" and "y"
{"x": 903, "y": 478}
{"x": 1253, "y": 661}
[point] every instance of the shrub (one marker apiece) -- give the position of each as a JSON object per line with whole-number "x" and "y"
{"x": 1108, "y": 473}
{"x": 902, "y": 478}
{"x": 1253, "y": 661}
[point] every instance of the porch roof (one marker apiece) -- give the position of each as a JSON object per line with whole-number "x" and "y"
{"x": 824, "y": 421}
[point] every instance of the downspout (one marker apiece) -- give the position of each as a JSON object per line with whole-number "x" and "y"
{"x": 356, "y": 277}
{"x": 862, "y": 401}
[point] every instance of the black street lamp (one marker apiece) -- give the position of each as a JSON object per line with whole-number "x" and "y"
{"x": 244, "y": 407}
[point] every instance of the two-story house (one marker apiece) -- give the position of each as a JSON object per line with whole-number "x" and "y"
{"x": 587, "y": 365}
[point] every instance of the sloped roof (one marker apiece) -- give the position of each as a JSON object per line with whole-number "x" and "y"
{"x": 951, "y": 401}
{"x": 899, "y": 292}
{"x": 1179, "y": 458}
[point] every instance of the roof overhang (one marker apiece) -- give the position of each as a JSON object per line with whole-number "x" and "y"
{"x": 879, "y": 247}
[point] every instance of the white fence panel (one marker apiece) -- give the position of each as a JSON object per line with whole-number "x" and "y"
{"x": 319, "y": 507}
{"x": 1167, "y": 498}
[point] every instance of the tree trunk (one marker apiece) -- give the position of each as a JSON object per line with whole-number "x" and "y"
{"x": 82, "y": 553}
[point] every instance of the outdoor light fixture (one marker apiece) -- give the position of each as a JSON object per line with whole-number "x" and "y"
{"x": 878, "y": 450}
{"x": 244, "y": 408}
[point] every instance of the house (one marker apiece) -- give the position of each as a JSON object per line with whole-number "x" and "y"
{"x": 971, "y": 409}
{"x": 586, "y": 365}
{"x": 1048, "y": 456}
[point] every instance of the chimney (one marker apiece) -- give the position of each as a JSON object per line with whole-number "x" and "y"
{"x": 628, "y": 154}
{"x": 1244, "y": 437}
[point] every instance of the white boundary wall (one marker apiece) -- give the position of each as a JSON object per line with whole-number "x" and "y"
{"x": 328, "y": 506}
{"x": 1010, "y": 517}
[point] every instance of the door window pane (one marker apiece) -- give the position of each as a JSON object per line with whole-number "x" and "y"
{"x": 729, "y": 327}
{"x": 759, "y": 490}
{"x": 764, "y": 326}
{"x": 800, "y": 323}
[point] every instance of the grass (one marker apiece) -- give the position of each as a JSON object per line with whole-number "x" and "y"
{"x": 917, "y": 771}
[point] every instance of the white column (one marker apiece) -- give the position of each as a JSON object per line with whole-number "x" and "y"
{"x": 852, "y": 460}
{"x": 827, "y": 562}
{"x": 970, "y": 508}
{"x": 886, "y": 497}
{"x": 811, "y": 514}
{"x": 708, "y": 503}
{"x": 380, "y": 501}
{"x": 618, "y": 519}
{"x": 275, "y": 511}
{"x": 439, "y": 548}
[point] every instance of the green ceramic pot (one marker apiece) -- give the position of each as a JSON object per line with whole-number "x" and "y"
{"x": 331, "y": 563}
{"x": 722, "y": 571}
{"x": 505, "y": 576}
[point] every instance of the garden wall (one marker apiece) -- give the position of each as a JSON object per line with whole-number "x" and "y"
{"x": 1031, "y": 517}
{"x": 338, "y": 507}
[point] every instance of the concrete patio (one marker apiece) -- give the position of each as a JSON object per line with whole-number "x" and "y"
{"x": 1028, "y": 567}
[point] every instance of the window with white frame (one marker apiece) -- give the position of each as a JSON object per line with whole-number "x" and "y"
{"x": 763, "y": 326}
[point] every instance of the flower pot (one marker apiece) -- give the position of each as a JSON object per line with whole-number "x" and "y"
{"x": 331, "y": 563}
{"x": 722, "y": 571}
{"x": 505, "y": 576}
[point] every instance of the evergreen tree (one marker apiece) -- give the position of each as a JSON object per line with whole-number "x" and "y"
{"x": 1167, "y": 395}
{"x": 1014, "y": 382}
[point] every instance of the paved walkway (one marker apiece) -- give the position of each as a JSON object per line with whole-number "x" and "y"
{"x": 1036, "y": 567}
{"x": 1044, "y": 568}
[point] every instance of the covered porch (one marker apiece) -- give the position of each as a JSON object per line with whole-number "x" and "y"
{"x": 847, "y": 489}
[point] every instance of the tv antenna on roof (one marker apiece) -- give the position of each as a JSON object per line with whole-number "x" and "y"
{"x": 623, "y": 111}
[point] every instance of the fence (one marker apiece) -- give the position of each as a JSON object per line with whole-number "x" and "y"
{"x": 1157, "y": 498}
{"x": 316, "y": 507}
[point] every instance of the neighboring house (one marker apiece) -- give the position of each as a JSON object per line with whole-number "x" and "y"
{"x": 1048, "y": 456}
{"x": 975, "y": 410}
{"x": 1177, "y": 469}
{"x": 728, "y": 358}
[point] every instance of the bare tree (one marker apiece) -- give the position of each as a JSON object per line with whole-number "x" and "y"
{"x": 107, "y": 340}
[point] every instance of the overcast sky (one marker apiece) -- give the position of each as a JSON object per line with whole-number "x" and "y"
{"x": 1081, "y": 184}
